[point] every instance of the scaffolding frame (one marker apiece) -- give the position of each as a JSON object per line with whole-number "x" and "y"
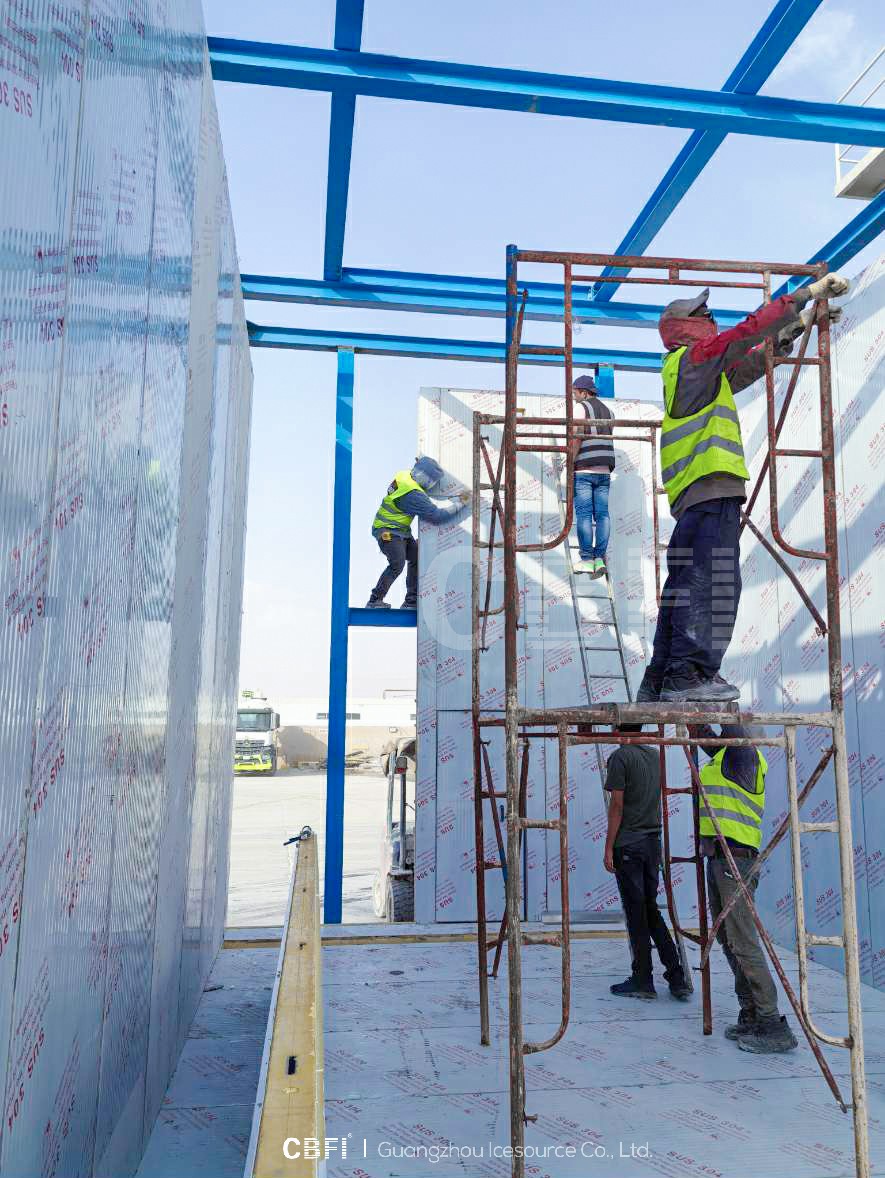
{"x": 580, "y": 725}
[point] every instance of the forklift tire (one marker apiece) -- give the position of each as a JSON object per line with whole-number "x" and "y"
{"x": 400, "y": 900}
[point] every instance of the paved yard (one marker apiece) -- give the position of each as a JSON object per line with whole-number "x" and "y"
{"x": 268, "y": 810}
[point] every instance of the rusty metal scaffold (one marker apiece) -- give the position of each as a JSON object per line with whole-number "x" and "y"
{"x": 522, "y": 726}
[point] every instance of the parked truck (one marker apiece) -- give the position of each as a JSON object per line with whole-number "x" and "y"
{"x": 257, "y": 748}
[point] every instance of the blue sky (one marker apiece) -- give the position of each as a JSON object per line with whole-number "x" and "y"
{"x": 444, "y": 189}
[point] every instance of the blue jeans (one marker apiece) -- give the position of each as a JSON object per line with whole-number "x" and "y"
{"x": 591, "y": 507}
{"x": 700, "y": 597}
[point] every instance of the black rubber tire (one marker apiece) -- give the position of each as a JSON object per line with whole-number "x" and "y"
{"x": 400, "y": 905}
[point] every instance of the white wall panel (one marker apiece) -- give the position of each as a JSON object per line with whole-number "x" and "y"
{"x": 551, "y": 672}
{"x": 776, "y": 654}
{"x": 124, "y": 416}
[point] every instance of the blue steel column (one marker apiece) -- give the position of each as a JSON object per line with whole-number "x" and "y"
{"x": 334, "y": 869}
{"x": 605, "y": 380}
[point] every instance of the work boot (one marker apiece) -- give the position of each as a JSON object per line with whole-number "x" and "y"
{"x": 599, "y": 567}
{"x": 650, "y": 688}
{"x": 585, "y": 565}
{"x": 631, "y": 988}
{"x": 698, "y": 689}
{"x": 679, "y": 988}
{"x": 373, "y": 604}
{"x": 410, "y": 605}
{"x": 746, "y": 1023}
{"x": 770, "y": 1036}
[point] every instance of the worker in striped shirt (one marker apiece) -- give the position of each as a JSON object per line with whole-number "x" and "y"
{"x": 594, "y": 457}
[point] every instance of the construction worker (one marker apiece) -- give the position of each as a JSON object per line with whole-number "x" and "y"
{"x": 704, "y": 475}
{"x": 734, "y": 782}
{"x": 594, "y": 457}
{"x": 406, "y": 498}
{"x": 633, "y": 853}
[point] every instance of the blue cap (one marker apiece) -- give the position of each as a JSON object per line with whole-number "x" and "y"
{"x": 585, "y": 382}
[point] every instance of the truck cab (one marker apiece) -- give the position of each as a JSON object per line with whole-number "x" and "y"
{"x": 257, "y": 740}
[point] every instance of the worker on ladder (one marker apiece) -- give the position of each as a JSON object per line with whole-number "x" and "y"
{"x": 734, "y": 784}
{"x": 593, "y": 452}
{"x": 407, "y": 497}
{"x": 704, "y": 475}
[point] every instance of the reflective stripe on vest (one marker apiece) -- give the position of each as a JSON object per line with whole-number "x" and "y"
{"x": 704, "y": 443}
{"x": 738, "y": 812}
{"x": 389, "y": 514}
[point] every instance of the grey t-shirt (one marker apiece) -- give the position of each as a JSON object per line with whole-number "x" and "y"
{"x": 636, "y": 770}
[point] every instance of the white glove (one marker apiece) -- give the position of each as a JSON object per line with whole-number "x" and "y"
{"x": 829, "y": 287}
{"x": 835, "y": 314}
{"x": 464, "y": 497}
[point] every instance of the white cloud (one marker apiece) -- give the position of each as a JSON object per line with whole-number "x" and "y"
{"x": 826, "y": 58}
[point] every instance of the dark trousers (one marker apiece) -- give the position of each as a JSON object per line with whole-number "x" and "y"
{"x": 637, "y": 869}
{"x": 739, "y": 939}
{"x": 700, "y": 597}
{"x": 399, "y": 550}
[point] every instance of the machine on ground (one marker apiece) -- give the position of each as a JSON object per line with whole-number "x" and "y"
{"x": 393, "y": 889}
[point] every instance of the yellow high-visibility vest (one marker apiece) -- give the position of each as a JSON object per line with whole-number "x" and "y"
{"x": 389, "y": 514}
{"x": 738, "y": 812}
{"x": 704, "y": 443}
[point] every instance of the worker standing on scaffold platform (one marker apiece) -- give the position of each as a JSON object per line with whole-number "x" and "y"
{"x": 704, "y": 475}
{"x": 407, "y": 496}
{"x": 734, "y": 782}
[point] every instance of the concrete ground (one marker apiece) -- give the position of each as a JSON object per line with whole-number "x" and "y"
{"x": 269, "y": 810}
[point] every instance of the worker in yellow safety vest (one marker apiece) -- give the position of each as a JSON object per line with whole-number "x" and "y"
{"x": 704, "y": 474}
{"x": 734, "y": 786}
{"x": 407, "y": 497}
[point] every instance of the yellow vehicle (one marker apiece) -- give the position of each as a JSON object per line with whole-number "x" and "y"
{"x": 257, "y": 740}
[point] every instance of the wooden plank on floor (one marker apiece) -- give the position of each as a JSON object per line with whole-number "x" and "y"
{"x": 289, "y": 1103}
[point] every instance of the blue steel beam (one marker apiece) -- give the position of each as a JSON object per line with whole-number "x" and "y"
{"x": 421, "y": 347}
{"x": 334, "y": 860}
{"x": 786, "y": 20}
{"x": 848, "y": 242}
{"x": 380, "y": 76}
{"x": 392, "y": 618}
{"x": 393, "y": 290}
{"x": 348, "y": 34}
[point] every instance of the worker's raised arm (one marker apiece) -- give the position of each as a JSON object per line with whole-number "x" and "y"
{"x": 765, "y": 323}
{"x": 420, "y": 504}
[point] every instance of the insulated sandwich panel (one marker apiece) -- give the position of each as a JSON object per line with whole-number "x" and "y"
{"x": 124, "y": 418}
{"x": 551, "y": 668}
{"x": 777, "y": 654}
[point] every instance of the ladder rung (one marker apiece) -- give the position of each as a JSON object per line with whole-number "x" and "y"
{"x": 491, "y": 865}
{"x": 812, "y": 827}
{"x": 539, "y": 823}
{"x": 600, "y": 649}
{"x": 814, "y": 939}
{"x": 619, "y": 675}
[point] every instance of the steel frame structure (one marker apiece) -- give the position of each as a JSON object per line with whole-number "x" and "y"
{"x": 571, "y": 726}
{"x": 345, "y": 72}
